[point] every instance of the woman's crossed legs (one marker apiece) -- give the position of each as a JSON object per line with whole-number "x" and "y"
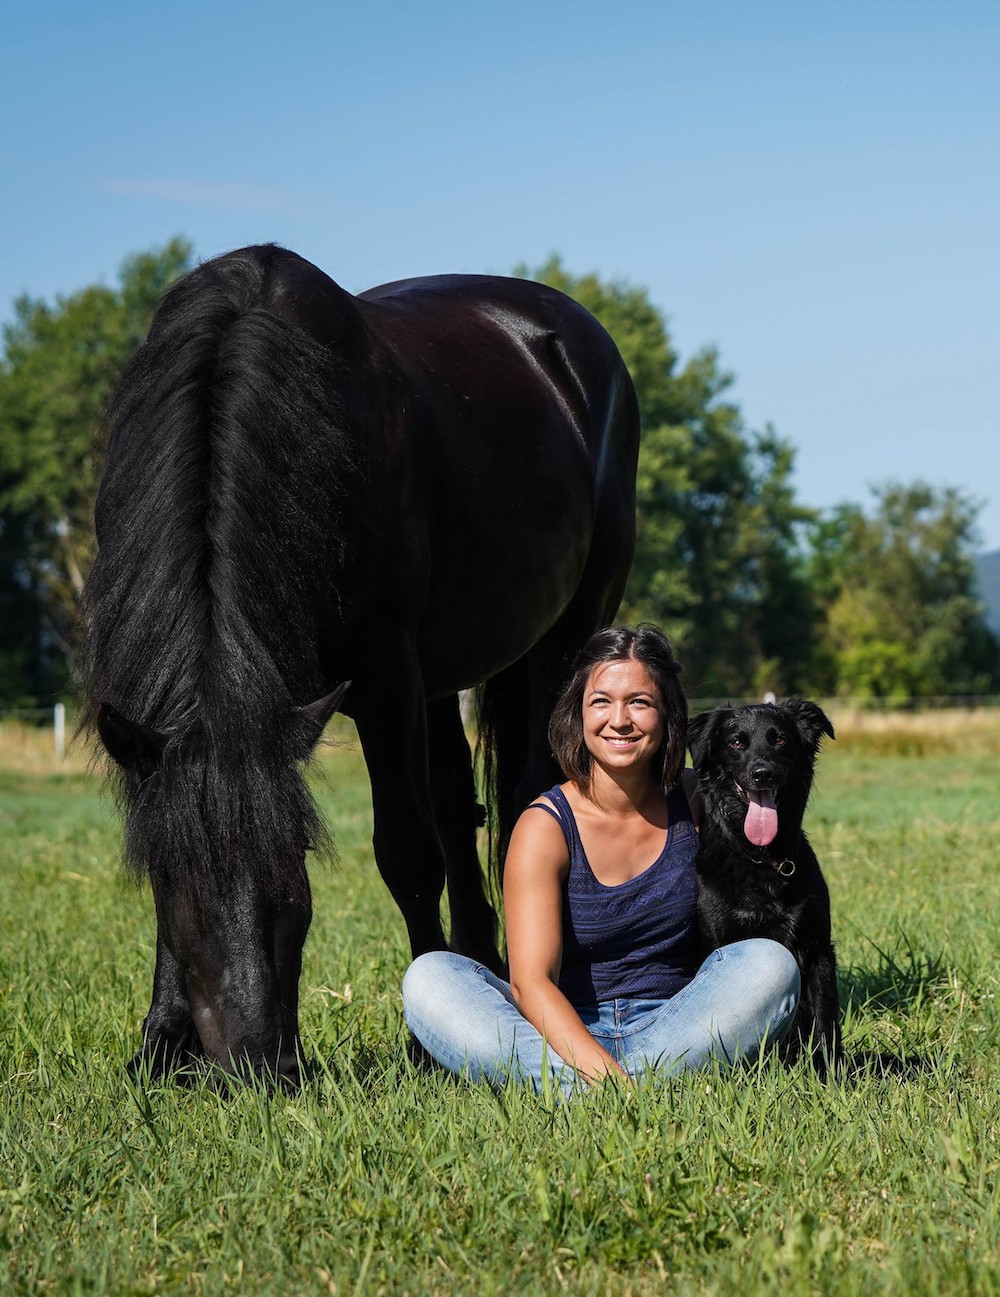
{"x": 743, "y": 997}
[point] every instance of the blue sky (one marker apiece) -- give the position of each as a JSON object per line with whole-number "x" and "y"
{"x": 814, "y": 189}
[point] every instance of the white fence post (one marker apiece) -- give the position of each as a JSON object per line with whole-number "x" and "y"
{"x": 59, "y": 726}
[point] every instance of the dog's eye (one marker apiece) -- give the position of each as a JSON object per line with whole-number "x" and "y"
{"x": 780, "y": 740}
{"x": 736, "y": 743}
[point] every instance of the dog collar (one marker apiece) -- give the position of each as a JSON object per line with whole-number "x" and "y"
{"x": 784, "y": 867}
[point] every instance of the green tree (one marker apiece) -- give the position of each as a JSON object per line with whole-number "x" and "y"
{"x": 718, "y": 561}
{"x": 26, "y": 673}
{"x": 59, "y": 366}
{"x": 899, "y": 587}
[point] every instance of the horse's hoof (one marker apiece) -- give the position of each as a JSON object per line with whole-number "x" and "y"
{"x": 162, "y": 1056}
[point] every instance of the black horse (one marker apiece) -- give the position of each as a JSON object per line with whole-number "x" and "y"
{"x": 314, "y": 501}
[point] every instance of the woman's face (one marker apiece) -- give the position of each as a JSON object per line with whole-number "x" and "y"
{"x": 622, "y": 715}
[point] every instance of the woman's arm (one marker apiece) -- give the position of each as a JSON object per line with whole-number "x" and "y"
{"x": 536, "y": 864}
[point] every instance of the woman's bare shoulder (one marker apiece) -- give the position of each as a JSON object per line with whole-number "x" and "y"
{"x": 538, "y": 842}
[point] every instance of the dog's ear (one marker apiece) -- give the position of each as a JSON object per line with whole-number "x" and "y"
{"x": 811, "y": 720}
{"x": 700, "y": 733}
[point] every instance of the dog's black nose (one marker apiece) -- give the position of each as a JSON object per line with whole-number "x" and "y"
{"x": 762, "y": 773}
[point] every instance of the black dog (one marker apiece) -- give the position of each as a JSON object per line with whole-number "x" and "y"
{"x": 757, "y": 874}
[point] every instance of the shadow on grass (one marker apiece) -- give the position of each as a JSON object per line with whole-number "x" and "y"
{"x": 880, "y": 1063}
{"x": 901, "y": 979}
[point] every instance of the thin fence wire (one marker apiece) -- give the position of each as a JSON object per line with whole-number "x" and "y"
{"x": 56, "y": 715}
{"x": 956, "y": 702}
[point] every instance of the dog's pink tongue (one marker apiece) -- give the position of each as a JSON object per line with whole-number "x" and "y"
{"x": 761, "y": 823}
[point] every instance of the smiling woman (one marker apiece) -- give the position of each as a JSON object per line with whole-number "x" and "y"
{"x": 599, "y": 900}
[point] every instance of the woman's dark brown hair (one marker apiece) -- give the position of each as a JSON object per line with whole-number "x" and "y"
{"x": 647, "y": 644}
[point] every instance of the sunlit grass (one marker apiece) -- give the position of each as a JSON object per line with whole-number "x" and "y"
{"x": 380, "y": 1178}
{"x": 30, "y": 749}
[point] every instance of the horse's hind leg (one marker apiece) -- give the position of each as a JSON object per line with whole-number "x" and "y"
{"x": 519, "y": 702}
{"x": 515, "y": 706}
{"x": 458, "y": 815}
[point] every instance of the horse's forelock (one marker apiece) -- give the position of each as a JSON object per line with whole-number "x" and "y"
{"x": 200, "y": 822}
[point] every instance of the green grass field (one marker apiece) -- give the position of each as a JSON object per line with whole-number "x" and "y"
{"x": 380, "y": 1179}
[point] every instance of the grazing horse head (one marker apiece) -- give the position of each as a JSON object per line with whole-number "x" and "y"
{"x": 219, "y": 817}
{"x": 418, "y": 489}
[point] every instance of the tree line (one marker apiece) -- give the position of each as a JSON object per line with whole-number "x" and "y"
{"x": 759, "y": 591}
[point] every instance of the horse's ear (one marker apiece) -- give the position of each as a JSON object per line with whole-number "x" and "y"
{"x": 811, "y": 720}
{"x": 309, "y": 722}
{"x": 128, "y": 742}
{"x": 701, "y": 729}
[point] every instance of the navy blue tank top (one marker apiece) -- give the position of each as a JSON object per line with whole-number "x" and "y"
{"x": 637, "y": 939}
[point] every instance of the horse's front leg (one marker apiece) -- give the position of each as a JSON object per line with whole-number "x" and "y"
{"x": 390, "y": 712}
{"x": 169, "y": 1038}
{"x": 291, "y": 924}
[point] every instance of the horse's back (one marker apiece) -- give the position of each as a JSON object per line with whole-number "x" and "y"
{"x": 520, "y": 390}
{"x": 527, "y": 436}
{"x": 480, "y": 327}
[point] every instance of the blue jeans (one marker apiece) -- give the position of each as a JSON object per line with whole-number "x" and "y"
{"x": 743, "y": 996}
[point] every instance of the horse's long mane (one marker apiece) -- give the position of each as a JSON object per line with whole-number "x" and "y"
{"x": 218, "y": 524}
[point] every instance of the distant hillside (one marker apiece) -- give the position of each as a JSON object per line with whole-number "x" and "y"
{"x": 988, "y": 567}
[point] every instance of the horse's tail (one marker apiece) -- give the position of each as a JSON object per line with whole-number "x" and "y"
{"x": 221, "y": 500}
